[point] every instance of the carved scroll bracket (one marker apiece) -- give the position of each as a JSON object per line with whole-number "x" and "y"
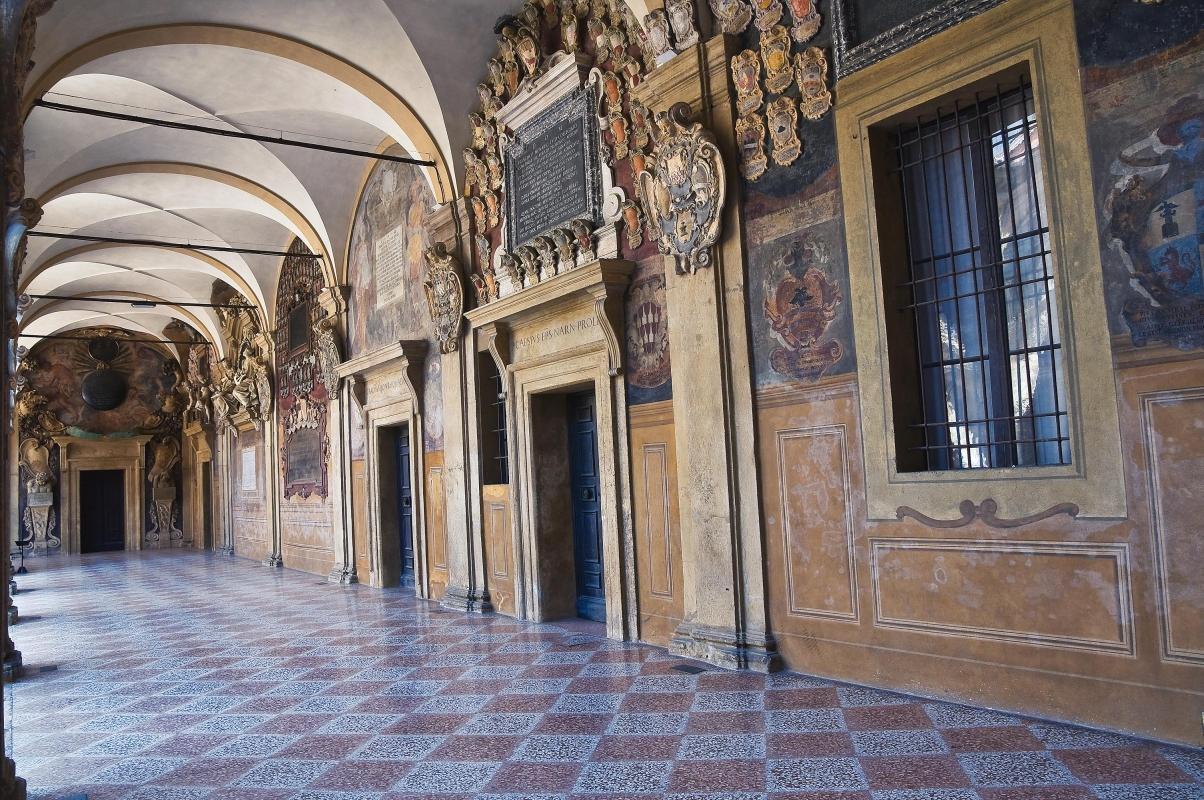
{"x": 986, "y": 511}
{"x": 608, "y": 306}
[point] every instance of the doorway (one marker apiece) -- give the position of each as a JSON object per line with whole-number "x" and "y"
{"x": 405, "y": 507}
{"x": 583, "y": 492}
{"x": 207, "y": 505}
{"x": 101, "y": 510}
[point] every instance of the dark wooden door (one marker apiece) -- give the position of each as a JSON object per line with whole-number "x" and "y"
{"x": 405, "y": 504}
{"x": 587, "y": 517}
{"x": 207, "y": 504}
{"x": 101, "y": 510}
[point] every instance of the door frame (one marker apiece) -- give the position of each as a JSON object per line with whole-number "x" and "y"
{"x": 388, "y": 384}
{"x": 77, "y": 455}
{"x": 564, "y": 376}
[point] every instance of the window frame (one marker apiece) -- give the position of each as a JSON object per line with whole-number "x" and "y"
{"x": 1017, "y": 35}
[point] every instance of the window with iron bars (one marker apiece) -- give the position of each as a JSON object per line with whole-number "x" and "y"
{"x": 976, "y": 360}
{"x": 495, "y": 461}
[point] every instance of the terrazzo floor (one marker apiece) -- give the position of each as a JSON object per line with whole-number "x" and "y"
{"x": 183, "y": 676}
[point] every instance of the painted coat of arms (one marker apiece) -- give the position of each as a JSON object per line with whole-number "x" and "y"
{"x": 647, "y": 334}
{"x": 799, "y": 311}
{"x": 1156, "y": 220}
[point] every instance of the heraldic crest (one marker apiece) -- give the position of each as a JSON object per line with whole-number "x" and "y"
{"x": 685, "y": 189}
{"x": 444, "y": 295}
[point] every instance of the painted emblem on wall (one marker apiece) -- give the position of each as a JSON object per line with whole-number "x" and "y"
{"x": 733, "y": 15}
{"x": 647, "y": 334}
{"x": 685, "y": 190}
{"x": 782, "y": 118}
{"x": 800, "y": 310}
{"x": 750, "y": 136}
{"x": 444, "y": 295}
{"x": 1156, "y": 220}
{"x": 769, "y": 13}
{"x": 806, "y": 20}
{"x": 775, "y": 55}
{"x": 746, "y": 75}
{"x": 811, "y": 73}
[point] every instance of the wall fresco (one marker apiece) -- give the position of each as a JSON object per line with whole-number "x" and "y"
{"x": 385, "y": 270}
{"x": 1145, "y": 118}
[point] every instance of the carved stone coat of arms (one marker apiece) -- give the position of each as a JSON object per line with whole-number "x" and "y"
{"x": 685, "y": 190}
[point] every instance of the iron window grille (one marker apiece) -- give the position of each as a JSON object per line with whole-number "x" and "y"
{"x": 493, "y": 407}
{"x": 990, "y": 387}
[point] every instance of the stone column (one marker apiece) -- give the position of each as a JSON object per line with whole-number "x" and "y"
{"x": 451, "y": 225}
{"x": 723, "y": 563}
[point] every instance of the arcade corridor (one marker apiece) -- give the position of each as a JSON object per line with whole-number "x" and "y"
{"x": 184, "y": 675}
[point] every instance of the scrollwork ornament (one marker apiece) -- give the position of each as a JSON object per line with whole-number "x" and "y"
{"x": 733, "y": 15}
{"x": 746, "y": 75}
{"x": 806, "y": 19}
{"x": 685, "y": 190}
{"x": 811, "y": 74}
{"x": 682, "y": 21}
{"x": 768, "y": 13}
{"x": 750, "y": 137}
{"x": 782, "y": 118}
{"x": 775, "y": 56}
{"x": 328, "y": 353}
{"x": 656, "y": 28}
{"x": 444, "y": 295}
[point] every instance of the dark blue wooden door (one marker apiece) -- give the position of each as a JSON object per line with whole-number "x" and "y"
{"x": 587, "y": 517}
{"x": 405, "y": 504}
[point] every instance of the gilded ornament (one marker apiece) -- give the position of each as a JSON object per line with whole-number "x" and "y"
{"x": 775, "y": 55}
{"x": 782, "y": 117}
{"x": 811, "y": 73}
{"x": 476, "y": 175}
{"x": 510, "y": 266}
{"x": 570, "y": 29}
{"x": 584, "y": 231}
{"x": 633, "y": 223}
{"x": 733, "y": 15}
{"x": 328, "y": 353}
{"x": 617, "y": 124}
{"x": 444, "y": 295}
{"x": 639, "y": 124}
{"x": 484, "y": 251}
{"x": 684, "y": 192}
{"x": 806, "y": 20}
{"x": 681, "y": 21}
{"x": 493, "y": 209}
{"x": 494, "y": 169}
{"x": 746, "y": 74}
{"x": 768, "y": 13}
{"x": 478, "y": 285}
{"x": 479, "y": 215}
{"x": 750, "y": 138}
{"x": 497, "y": 79}
{"x": 566, "y": 249}
{"x": 482, "y": 133}
{"x": 656, "y": 28}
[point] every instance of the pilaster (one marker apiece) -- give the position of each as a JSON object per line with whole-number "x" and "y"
{"x": 723, "y": 561}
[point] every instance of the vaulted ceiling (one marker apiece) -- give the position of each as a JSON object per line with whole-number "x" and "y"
{"x": 362, "y": 74}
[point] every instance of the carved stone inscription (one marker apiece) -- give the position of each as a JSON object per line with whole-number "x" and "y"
{"x": 552, "y": 175}
{"x": 560, "y": 334}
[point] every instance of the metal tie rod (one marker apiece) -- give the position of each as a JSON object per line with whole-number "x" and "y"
{"x": 79, "y": 237}
{"x": 236, "y": 134}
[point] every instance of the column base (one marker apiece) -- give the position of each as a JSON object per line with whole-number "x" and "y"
{"x": 275, "y": 561}
{"x": 13, "y": 616}
{"x": 14, "y": 665}
{"x": 10, "y": 785}
{"x": 344, "y": 576}
{"x": 225, "y": 551}
{"x": 726, "y": 648}
{"x": 469, "y": 601}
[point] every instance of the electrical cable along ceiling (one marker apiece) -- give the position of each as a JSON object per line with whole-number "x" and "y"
{"x": 154, "y": 214}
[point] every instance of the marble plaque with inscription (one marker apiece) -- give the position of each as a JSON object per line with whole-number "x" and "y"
{"x": 553, "y": 171}
{"x": 390, "y": 267}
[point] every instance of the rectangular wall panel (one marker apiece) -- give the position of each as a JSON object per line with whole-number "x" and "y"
{"x": 499, "y": 569}
{"x": 658, "y": 536}
{"x": 1062, "y": 594}
{"x": 1174, "y": 448}
{"x": 817, "y": 530}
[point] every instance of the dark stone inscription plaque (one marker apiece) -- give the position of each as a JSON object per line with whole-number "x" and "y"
{"x": 552, "y": 172}
{"x": 304, "y": 457}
